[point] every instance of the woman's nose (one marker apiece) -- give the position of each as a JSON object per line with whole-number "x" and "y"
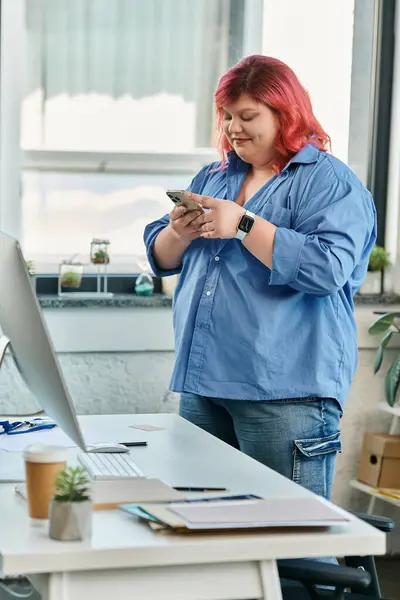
{"x": 235, "y": 126}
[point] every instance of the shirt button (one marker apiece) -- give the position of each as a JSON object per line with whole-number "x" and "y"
{"x": 208, "y": 293}
{"x": 216, "y": 258}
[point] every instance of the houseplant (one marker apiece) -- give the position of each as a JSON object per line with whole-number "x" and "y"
{"x": 100, "y": 258}
{"x": 387, "y": 325}
{"x": 70, "y": 275}
{"x": 99, "y": 253}
{"x": 378, "y": 262}
{"x": 71, "y": 506}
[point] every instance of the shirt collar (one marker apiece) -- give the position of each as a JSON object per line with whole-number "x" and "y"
{"x": 306, "y": 156}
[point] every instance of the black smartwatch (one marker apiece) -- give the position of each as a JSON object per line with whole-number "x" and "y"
{"x": 245, "y": 225}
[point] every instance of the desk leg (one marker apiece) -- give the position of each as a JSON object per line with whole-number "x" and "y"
{"x": 270, "y": 582}
{"x": 57, "y": 587}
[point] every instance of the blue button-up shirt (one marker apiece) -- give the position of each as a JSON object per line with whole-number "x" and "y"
{"x": 243, "y": 331}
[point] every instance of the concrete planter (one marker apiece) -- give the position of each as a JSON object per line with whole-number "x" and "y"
{"x": 70, "y": 521}
{"x": 372, "y": 283}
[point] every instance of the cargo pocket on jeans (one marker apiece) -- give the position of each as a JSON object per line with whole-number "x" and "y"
{"x": 314, "y": 463}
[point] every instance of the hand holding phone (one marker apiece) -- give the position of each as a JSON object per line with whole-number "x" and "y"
{"x": 184, "y": 223}
{"x": 179, "y": 199}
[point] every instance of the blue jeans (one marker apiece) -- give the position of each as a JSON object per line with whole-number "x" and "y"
{"x": 298, "y": 438}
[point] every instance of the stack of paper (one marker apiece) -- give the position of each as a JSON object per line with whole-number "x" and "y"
{"x": 243, "y": 514}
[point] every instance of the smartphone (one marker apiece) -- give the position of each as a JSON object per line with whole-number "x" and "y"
{"x": 179, "y": 199}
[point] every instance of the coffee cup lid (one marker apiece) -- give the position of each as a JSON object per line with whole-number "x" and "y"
{"x": 42, "y": 453}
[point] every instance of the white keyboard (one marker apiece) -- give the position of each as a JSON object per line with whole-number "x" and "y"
{"x": 104, "y": 465}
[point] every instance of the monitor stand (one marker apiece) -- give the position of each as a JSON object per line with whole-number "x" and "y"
{"x": 107, "y": 447}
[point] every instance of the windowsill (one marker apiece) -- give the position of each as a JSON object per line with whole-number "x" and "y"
{"x": 116, "y": 301}
{"x": 382, "y": 299}
{"x": 35, "y": 159}
{"x": 158, "y": 300}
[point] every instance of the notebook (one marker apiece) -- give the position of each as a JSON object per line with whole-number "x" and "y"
{"x": 247, "y": 514}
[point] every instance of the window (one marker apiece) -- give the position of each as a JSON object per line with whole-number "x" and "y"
{"x": 64, "y": 211}
{"x": 117, "y": 104}
{"x": 118, "y": 107}
{"x": 123, "y": 76}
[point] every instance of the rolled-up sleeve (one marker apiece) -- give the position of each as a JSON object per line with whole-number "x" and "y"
{"x": 333, "y": 234}
{"x": 153, "y": 229}
{"x": 150, "y": 234}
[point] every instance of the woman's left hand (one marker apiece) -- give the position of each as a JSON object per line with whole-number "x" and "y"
{"x": 222, "y": 218}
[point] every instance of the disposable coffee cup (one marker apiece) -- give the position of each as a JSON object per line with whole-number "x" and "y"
{"x": 42, "y": 465}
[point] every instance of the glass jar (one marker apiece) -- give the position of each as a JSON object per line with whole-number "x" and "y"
{"x": 99, "y": 253}
{"x": 71, "y": 274}
{"x": 144, "y": 285}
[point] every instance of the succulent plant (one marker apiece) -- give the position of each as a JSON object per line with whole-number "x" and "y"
{"x": 72, "y": 485}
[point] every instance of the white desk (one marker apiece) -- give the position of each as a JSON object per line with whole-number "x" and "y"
{"x": 125, "y": 558}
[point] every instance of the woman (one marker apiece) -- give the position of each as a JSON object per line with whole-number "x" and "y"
{"x": 266, "y": 343}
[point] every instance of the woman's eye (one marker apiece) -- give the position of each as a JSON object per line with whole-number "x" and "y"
{"x": 227, "y": 118}
{"x": 247, "y": 118}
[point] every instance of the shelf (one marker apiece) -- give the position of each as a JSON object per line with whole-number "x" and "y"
{"x": 367, "y": 489}
{"x": 395, "y": 410}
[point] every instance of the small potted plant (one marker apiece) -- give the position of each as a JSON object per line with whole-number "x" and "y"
{"x": 71, "y": 506}
{"x": 70, "y": 274}
{"x": 99, "y": 254}
{"x": 378, "y": 262}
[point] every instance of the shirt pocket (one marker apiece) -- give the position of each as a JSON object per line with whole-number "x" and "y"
{"x": 277, "y": 215}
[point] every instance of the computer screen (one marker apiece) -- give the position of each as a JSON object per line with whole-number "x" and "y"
{"x": 22, "y": 323}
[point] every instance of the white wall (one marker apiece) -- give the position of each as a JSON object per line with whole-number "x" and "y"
{"x": 315, "y": 39}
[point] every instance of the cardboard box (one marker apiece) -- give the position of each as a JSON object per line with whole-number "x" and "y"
{"x": 380, "y": 461}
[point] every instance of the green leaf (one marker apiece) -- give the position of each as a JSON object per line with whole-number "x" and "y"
{"x": 72, "y": 485}
{"x": 392, "y": 382}
{"x": 379, "y": 353}
{"x": 382, "y": 323}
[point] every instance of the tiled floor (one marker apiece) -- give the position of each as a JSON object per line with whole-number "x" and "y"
{"x": 389, "y": 577}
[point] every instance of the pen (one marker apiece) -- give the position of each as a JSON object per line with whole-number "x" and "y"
{"x": 129, "y": 444}
{"x": 200, "y": 489}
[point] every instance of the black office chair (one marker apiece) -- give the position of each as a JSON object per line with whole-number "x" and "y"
{"x": 301, "y": 579}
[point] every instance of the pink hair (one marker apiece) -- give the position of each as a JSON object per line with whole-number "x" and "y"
{"x": 272, "y": 83}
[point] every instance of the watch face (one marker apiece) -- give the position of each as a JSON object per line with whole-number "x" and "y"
{"x": 246, "y": 223}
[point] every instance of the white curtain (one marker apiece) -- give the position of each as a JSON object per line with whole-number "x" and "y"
{"x": 117, "y": 74}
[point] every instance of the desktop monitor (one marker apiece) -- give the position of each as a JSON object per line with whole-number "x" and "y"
{"x": 21, "y": 322}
